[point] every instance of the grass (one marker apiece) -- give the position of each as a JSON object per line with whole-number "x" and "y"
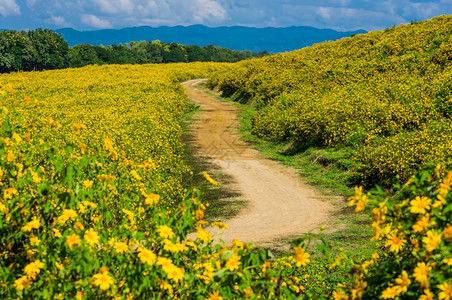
{"x": 327, "y": 169}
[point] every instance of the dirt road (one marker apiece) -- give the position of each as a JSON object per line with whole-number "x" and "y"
{"x": 279, "y": 203}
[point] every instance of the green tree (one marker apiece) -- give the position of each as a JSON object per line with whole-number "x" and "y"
{"x": 51, "y": 49}
{"x": 83, "y": 54}
{"x": 174, "y": 53}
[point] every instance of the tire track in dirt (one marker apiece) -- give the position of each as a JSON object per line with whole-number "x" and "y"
{"x": 279, "y": 204}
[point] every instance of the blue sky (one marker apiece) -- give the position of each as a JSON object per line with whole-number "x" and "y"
{"x": 336, "y": 14}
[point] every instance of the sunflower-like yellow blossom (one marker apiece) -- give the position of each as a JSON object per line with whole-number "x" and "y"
{"x": 428, "y": 295}
{"x": 73, "y": 240}
{"x": 432, "y": 240}
{"x": 301, "y": 257}
{"x": 91, "y": 237}
{"x": 33, "y": 224}
{"x": 120, "y": 247}
{"x": 395, "y": 242}
{"x": 103, "y": 280}
{"x": 446, "y": 291}
{"x": 33, "y": 268}
{"x": 151, "y": 199}
{"x": 420, "y": 205}
{"x": 146, "y": 256}
{"x": 203, "y": 235}
{"x": 403, "y": 281}
{"x": 22, "y": 283}
{"x": 66, "y": 215}
{"x": 421, "y": 272}
{"x": 165, "y": 232}
{"x": 9, "y": 193}
{"x": 233, "y": 262}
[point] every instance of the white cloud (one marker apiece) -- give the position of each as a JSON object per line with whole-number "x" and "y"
{"x": 116, "y": 6}
{"x": 58, "y": 20}
{"x": 208, "y": 10}
{"x": 9, "y": 7}
{"x": 324, "y": 12}
{"x": 96, "y": 22}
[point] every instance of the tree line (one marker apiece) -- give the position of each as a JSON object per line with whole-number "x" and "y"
{"x": 43, "y": 49}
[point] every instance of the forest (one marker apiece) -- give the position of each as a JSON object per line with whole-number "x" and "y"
{"x": 43, "y": 49}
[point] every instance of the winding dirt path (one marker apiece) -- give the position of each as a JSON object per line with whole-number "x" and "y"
{"x": 279, "y": 204}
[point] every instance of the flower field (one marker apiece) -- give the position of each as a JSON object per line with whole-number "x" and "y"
{"x": 92, "y": 198}
{"x": 385, "y": 94}
{"x": 92, "y": 203}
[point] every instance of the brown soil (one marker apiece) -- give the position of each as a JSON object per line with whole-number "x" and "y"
{"x": 279, "y": 204}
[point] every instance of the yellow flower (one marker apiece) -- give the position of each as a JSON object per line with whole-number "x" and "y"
{"x": 146, "y": 256}
{"x": 421, "y": 224}
{"x": 22, "y": 283}
{"x": 16, "y": 138}
{"x": 361, "y": 203}
{"x": 135, "y": 175}
{"x": 358, "y": 193}
{"x": 446, "y": 291}
{"x": 78, "y": 126}
{"x": 421, "y": 273}
{"x": 390, "y": 293}
{"x": 237, "y": 243}
{"x": 91, "y": 237}
{"x": 34, "y": 268}
{"x": 79, "y": 295}
{"x": 108, "y": 144}
{"x": 199, "y": 214}
{"x": 175, "y": 248}
{"x": 152, "y": 199}
{"x": 301, "y": 257}
{"x": 165, "y": 232}
{"x": 208, "y": 178}
{"x": 9, "y": 192}
{"x": 358, "y": 289}
{"x": 419, "y": 205}
{"x": 395, "y": 243}
{"x": 447, "y": 232}
{"x": 87, "y": 184}
{"x": 56, "y": 233}
{"x": 121, "y": 247}
{"x": 164, "y": 262}
{"x": 220, "y": 225}
{"x": 174, "y": 273}
{"x": 33, "y": 224}
{"x": 203, "y": 235}
{"x": 432, "y": 240}
{"x": 103, "y": 280}
{"x": 233, "y": 262}
{"x": 215, "y": 296}
{"x": 3, "y": 208}
{"x": 427, "y": 295}
{"x": 34, "y": 241}
{"x": 403, "y": 281}
{"x": 10, "y": 157}
{"x": 66, "y": 215}
{"x": 89, "y": 204}
{"x": 73, "y": 240}
{"x": 339, "y": 295}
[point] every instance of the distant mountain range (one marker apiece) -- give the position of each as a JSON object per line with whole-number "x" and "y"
{"x": 237, "y": 37}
